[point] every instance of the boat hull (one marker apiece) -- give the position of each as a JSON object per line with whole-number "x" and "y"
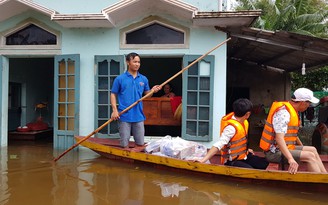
{"x": 302, "y": 180}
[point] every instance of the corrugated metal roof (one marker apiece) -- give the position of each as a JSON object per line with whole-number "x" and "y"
{"x": 280, "y": 49}
{"x": 226, "y": 19}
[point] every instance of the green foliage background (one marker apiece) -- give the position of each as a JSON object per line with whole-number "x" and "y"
{"x": 314, "y": 80}
{"x": 306, "y": 17}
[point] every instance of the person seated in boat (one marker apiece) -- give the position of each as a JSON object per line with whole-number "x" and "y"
{"x": 168, "y": 91}
{"x": 279, "y": 140}
{"x": 233, "y": 139}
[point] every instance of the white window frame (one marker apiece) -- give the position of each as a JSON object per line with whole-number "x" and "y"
{"x": 149, "y": 21}
{"x": 30, "y": 49}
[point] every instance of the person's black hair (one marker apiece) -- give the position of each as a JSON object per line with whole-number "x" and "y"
{"x": 131, "y": 56}
{"x": 242, "y": 106}
{"x": 171, "y": 87}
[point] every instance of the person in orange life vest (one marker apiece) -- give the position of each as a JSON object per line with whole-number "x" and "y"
{"x": 279, "y": 138}
{"x": 233, "y": 139}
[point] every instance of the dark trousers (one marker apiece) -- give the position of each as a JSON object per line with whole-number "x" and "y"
{"x": 252, "y": 161}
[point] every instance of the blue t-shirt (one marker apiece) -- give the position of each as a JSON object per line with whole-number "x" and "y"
{"x": 128, "y": 91}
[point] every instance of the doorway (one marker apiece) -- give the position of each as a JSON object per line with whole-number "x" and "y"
{"x": 31, "y": 83}
{"x": 158, "y": 70}
{"x": 234, "y": 93}
{"x": 14, "y": 105}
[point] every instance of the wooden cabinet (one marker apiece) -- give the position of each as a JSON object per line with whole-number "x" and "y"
{"x": 158, "y": 111}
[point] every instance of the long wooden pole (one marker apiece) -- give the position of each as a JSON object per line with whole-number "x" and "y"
{"x": 141, "y": 99}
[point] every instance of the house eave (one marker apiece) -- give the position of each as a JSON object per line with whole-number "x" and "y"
{"x": 129, "y": 9}
{"x": 226, "y": 19}
{"x": 10, "y": 8}
{"x": 82, "y": 20}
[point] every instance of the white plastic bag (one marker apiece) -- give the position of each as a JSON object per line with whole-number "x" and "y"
{"x": 176, "y": 148}
{"x": 154, "y": 145}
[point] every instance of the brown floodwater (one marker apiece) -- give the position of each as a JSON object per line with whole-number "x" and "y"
{"x": 30, "y": 177}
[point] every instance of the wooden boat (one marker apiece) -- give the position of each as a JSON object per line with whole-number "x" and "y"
{"x": 304, "y": 181}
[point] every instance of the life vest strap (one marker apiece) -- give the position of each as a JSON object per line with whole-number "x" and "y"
{"x": 267, "y": 140}
{"x": 234, "y": 148}
{"x": 290, "y": 142}
{"x": 288, "y": 128}
{"x": 268, "y": 124}
{"x": 237, "y": 141}
{"x": 293, "y": 128}
{"x": 234, "y": 154}
{"x": 269, "y": 133}
{"x": 290, "y": 135}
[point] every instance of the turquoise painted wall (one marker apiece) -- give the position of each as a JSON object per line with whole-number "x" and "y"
{"x": 91, "y": 42}
{"x": 4, "y": 101}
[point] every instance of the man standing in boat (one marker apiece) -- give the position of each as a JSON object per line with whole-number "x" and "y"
{"x": 233, "y": 142}
{"x": 128, "y": 88}
{"x": 279, "y": 139}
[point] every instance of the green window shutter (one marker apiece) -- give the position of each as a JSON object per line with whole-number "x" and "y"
{"x": 107, "y": 69}
{"x": 197, "y": 115}
{"x": 67, "y": 100}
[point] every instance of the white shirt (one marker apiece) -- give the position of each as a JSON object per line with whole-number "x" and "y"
{"x": 227, "y": 133}
{"x": 280, "y": 120}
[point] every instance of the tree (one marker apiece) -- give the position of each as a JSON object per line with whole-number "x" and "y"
{"x": 314, "y": 80}
{"x": 306, "y": 17}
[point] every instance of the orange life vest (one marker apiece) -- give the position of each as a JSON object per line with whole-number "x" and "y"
{"x": 236, "y": 149}
{"x": 268, "y": 134}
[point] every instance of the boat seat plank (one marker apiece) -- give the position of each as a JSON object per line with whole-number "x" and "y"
{"x": 273, "y": 166}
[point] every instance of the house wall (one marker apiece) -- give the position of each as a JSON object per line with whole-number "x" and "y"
{"x": 100, "y": 41}
{"x": 106, "y": 42}
{"x": 4, "y": 101}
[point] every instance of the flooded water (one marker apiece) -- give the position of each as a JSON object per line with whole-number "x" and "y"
{"x": 30, "y": 177}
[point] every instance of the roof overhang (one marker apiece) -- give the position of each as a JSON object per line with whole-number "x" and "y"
{"x": 82, "y": 20}
{"x": 123, "y": 11}
{"x": 226, "y": 19}
{"x": 130, "y": 9}
{"x": 10, "y": 8}
{"x": 283, "y": 50}
{"x": 280, "y": 49}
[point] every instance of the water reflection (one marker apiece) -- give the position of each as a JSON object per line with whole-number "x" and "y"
{"x": 170, "y": 189}
{"x": 4, "y": 195}
{"x": 28, "y": 176}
